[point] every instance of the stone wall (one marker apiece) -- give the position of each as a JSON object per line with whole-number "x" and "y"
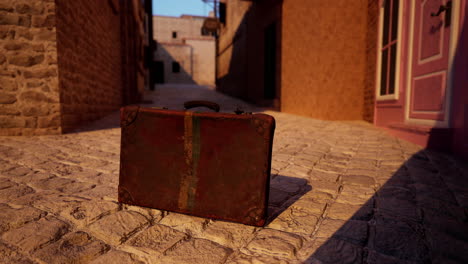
{"x": 29, "y": 94}
{"x": 89, "y": 59}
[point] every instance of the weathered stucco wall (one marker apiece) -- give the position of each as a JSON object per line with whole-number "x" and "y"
{"x": 29, "y": 94}
{"x": 203, "y": 60}
{"x": 89, "y": 59}
{"x": 324, "y": 58}
{"x": 174, "y": 52}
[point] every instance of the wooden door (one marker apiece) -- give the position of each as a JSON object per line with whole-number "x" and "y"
{"x": 429, "y": 95}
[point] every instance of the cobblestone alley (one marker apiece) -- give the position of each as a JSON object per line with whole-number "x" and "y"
{"x": 341, "y": 192}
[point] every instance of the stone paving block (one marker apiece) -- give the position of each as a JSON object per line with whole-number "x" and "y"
{"x": 11, "y": 218}
{"x": 59, "y": 168}
{"x": 35, "y": 234}
{"x": 76, "y": 247}
{"x": 336, "y": 251}
{"x": 153, "y": 215}
{"x": 184, "y": 223}
{"x": 400, "y": 239}
{"x": 323, "y": 175}
{"x": 352, "y": 231}
{"x": 277, "y": 197}
{"x": 6, "y": 166}
{"x": 355, "y": 199}
{"x": 86, "y": 212}
{"x": 156, "y": 238}
{"x": 62, "y": 184}
{"x": 317, "y": 196}
{"x": 101, "y": 192}
{"x": 54, "y": 202}
{"x": 275, "y": 243}
{"x": 347, "y": 211}
{"x": 32, "y": 178}
{"x": 325, "y": 186}
{"x": 117, "y": 257}
{"x": 305, "y": 161}
{"x": 228, "y": 234}
{"x": 11, "y": 255}
{"x": 196, "y": 251}
{"x": 16, "y": 171}
{"x": 288, "y": 184}
{"x": 118, "y": 227}
{"x": 374, "y": 257}
{"x": 10, "y": 191}
{"x": 295, "y": 220}
{"x": 310, "y": 205}
{"x": 295, "y": 171}
{"x": 240, "y": 258}
{"x": 358, "y": 180}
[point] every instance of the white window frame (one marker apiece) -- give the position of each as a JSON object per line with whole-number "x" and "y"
{"x": 395, "y": 95}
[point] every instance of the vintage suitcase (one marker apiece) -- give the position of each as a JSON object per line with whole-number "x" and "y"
{"x": 214, "y": 165}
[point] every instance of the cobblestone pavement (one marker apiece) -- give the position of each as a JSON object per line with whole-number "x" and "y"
{"x": 341, "y": 192}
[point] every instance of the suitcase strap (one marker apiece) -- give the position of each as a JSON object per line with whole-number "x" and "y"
{"x": 211, "y": 105}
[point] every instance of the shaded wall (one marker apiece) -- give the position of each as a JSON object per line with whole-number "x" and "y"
{"x": 460, "y": 92}
{"x": 88, "y": 44}
{"x": 181, "y": 53}
{"x": 241, "y": 50}
{"x": 231, "y": 57}
{"x": 29, "y": 94}
{"x": 324, "y": 58}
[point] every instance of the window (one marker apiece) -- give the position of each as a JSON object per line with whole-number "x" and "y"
{"x": 174, "y": 34}
{"x": 222, "y": 13}
{"x": 388, "y": 49}
{"x": 175, "y": 67}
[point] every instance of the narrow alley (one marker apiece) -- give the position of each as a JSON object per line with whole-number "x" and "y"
{"x": 341, "y": 192}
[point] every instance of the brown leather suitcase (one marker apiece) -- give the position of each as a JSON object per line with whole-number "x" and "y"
{"x": 214, "y": 165}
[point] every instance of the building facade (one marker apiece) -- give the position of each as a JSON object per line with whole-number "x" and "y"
{"x": 185, "y": 53}
{"x": 65, "y": 63}
{"x": 398, "y": 64}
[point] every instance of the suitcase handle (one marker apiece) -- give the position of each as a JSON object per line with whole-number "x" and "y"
{"x": 211, "y": 105}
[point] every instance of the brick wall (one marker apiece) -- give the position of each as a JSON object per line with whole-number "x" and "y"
{"x": 29, "y": 94}
{"x": 371, "y": 55}
{"x": 89, "y": 59}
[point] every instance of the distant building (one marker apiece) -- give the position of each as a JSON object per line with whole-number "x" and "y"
{"x": 185, "y": 52}
{"x": 399, "y": 64}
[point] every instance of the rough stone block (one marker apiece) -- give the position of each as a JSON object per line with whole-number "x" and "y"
{"x": 158, "y": 238}
{"x": 196, "y": 251}
{"x": 8, "y": 84}
{"x": 77, "y": 247}
{"x": 11, "y": 218}
{"x": 117, "y": 257}
{"x": 7, "y": 98}
{"x": 8, "y": 19}
{"x": 228, "y": 234}
{"x": 40, "y": 73}
{"x": 184, "y": 223}
{"x": 347, "y": 211}
{"x": 118, "y": 227}
{"x": 11, "y": 255}
{"x": 26, "y": 60}
{"x": 35, "y": 234}
{"x": 275, "y": 243}
{"x": 337, "y": 251}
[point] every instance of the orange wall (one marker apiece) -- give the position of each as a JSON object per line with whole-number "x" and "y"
{"x": 324, "y": 58}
